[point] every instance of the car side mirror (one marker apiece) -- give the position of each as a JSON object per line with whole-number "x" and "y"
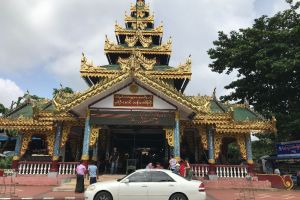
{"x": 126, "y": 180}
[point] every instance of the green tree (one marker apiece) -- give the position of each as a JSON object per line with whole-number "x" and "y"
{"x": 63, "y": 89}
{"x": 3, "y": 110}
{"x": 266, "y": 58}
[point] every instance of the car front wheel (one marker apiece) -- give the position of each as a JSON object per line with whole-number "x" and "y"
{"x": 178, "y": 197}
{"x": 103, "y": 196}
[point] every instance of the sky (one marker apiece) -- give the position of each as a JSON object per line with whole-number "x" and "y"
{"x": 41, "y": 41}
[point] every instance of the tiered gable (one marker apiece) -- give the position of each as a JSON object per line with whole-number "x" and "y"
{"x": 140, "y": 40}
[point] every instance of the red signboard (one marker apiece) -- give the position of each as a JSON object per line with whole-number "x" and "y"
{"x": 121, "y": 100}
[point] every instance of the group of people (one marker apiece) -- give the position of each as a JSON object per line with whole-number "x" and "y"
{"x": 181, "y": 167}
{"x": 81, "y": 171}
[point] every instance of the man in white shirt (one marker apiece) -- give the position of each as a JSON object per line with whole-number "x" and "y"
{"x": 172, "y": 163}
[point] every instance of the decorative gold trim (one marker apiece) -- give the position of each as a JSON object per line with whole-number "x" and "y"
{"x": 50, "y": 142}
{"x": 133, "y": 88}
{"x": 135, "y": 61}
{"x": 95, "y": 131}
{"x": 25, "y": 141}
{"x": 170, "y": 136}
{"x": 240, "y": 139}
{"x": 203, "y": 136}
{"x": 250, "y": 162}
{"x": 55, "y": 158}
{"x": 85, "y": 157}
{"x": 16, "y": 158}
{"x": 212, "y": 161}
{"x": 217, "y": 144}
{"x": 65, "y": 135}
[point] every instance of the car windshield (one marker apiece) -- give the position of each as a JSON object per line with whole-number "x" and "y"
{"x": 120, "y": 179}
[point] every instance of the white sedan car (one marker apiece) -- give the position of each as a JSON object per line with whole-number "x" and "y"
{"x": 145, "y": 184}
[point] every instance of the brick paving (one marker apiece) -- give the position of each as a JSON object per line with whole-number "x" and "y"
{"x": 48, "y": 189}
{"x": 234, "y": 194}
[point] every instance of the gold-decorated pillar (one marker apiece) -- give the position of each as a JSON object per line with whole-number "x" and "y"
{"x": 16, "y": 157}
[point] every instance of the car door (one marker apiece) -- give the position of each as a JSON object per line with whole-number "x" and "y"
{"x": 135, "y": 187}
{"x": 161, "y": 186}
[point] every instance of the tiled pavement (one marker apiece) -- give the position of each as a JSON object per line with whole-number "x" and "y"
{"x": 66, "y": 191}
{"x": 46, "y": 192}
{"x": 257, "y": 195}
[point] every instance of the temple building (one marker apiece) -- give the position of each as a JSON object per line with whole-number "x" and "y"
{"x": 135, "y": 103}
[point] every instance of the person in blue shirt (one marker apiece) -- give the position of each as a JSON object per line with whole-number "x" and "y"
{"x": 93, "y": 172}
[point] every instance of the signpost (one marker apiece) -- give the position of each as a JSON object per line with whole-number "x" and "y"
{"x": 288, "y": 148}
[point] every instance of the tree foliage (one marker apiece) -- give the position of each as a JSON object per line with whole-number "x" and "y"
{"x": 266, "y": 58}
{"x": 63, "y": 89}
{"x": 3, "y": 110}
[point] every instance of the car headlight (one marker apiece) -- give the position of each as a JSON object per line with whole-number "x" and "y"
{"x": 91, "y": 188}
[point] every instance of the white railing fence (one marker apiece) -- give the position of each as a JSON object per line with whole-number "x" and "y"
{"x": 67, "y": 168}
{"x": 34, "y": 167}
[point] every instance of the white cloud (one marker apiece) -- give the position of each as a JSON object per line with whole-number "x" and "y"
{"x": 10, "y": 91}
{"x": 51, "y": 34}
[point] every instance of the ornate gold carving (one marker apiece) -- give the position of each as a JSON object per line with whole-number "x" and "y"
{"x": 165, "y": 47}
{"x": 203, "y": 136}
{"x": 212, "y": 161}
{"x": 134, "y": 88}
{"x": 65, "y": 135}
{"x": 85, "y": 157}
{"x": 16, "y": 158}
{"x": 217, "y": 144}
{"x": 186, "y": 68}
{"x": 50, "y": 142}
{"x": 95, "y": 132}
{"x": 132, "y": 40}
{"x": 149, "y": 19}
{"x": 55, "y": 158}
{"x": 170, "y": 136}
{"x": 25, "y": 141}
{"x": 240, "y": 139}
{"x": 135, "y": 61}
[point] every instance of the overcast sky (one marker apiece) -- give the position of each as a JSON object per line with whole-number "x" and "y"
{"x": 41, "y": 41}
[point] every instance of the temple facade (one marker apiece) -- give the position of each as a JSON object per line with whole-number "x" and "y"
{"x": 137, "y": 104}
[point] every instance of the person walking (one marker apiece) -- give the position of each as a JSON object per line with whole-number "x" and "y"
{"x": 93, "y": 172}
{"x": 80, "y": 172}
{"x": 113, "y": 160}
{"x": 172, "y": 163}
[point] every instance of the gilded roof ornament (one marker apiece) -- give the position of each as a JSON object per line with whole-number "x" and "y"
{"x": 136, "y": 60}
{"x": 132, "y": 40}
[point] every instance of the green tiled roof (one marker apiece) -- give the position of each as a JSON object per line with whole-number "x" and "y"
{"x": 243, "y": 114}
{"x": 25, "y": 111}
{"x": 215, "y": 108}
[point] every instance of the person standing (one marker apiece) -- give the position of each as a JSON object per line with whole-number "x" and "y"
{"x": 182, "y": 168}
{"x": 172, "y": 163}
{"x": 93, "y": 172}
{"x": 188, "y": 171}
{"x": 80, "y": 172}
{"x": 114, "y": 159}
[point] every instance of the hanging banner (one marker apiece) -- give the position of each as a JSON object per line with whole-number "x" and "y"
{"x": 166, "y": 119}
{"x": 121, "y": 100}
{"x": 288, "y": 148}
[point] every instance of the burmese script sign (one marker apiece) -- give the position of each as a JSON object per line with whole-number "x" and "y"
{"x": 288, "y": 148}
{"x": 166, "y": 119}
{"x": 133, "y": 100}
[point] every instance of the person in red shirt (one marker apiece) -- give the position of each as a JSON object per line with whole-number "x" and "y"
{"x": 182, "y": 168}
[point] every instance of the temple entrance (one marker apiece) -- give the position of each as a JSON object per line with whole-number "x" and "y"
{"x": 143, "y": 144}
